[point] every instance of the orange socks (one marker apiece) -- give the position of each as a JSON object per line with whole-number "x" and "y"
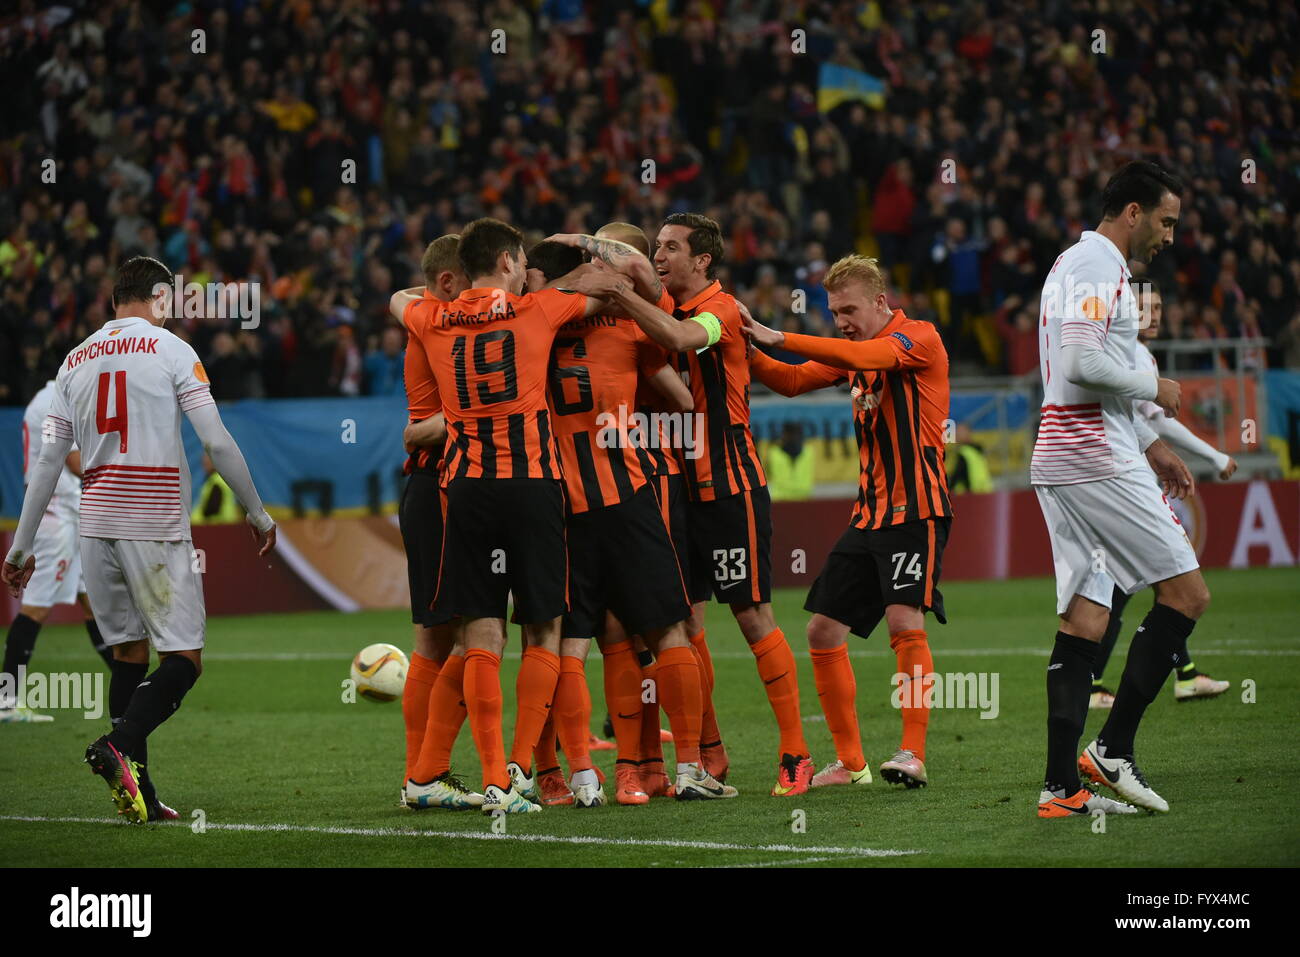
{"x": 544, "y": 756}
{"x": 483, "y": 700}
{"x": 534, "y": 690}
{"x": 837, "y": 688}
{"x": 446, "y": 716}
{"x": 420, "y": 678}
{"x": 680, "y": 696}
{"x": 573, "y": 713}
{"x": 709, "y": 732}
{"x": 652, "y": 748}
{"x": 623, "y": 698}
{"x": 913, "y": 652}
{"x": 781, "y": 682}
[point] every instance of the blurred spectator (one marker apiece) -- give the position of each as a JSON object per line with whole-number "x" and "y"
{"x": 384, "y": 365}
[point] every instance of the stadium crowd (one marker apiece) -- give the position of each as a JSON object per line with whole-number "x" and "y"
{"x": 316, "y": 151}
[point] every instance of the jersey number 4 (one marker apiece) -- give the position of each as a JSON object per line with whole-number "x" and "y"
{"x": 116, "y": 422}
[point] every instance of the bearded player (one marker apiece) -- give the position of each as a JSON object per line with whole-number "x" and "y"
{"x": 887, "y": 562}
{"x": 1106, "y": 511}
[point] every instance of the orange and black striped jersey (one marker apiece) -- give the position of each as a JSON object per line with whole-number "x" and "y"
{"x": 724, "y": 461}
{"x": 490, "y": 352}
{"x": 595, "y": 368}
{"x": 422, "y": 398}
{"x": 649, "y": 401}
{"x": 899, "y": 383}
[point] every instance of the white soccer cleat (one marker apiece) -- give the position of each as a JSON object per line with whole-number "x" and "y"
{"x": 444, "y": 791}
{"x": 837, "y": 773}
{"x": 1122, "y": 776}
{"x": 1083, "y": 803}
{"x": 522, "y": 783}
{"x": 588, "y": 795}
{"x": 23, "y": 715}
{"x": 697, "y": 784}
{"x": 507, "y": 802}
{"x": 1198, "y": 686}
{"x": 905, "y": 768}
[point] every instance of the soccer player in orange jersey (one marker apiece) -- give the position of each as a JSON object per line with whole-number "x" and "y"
{"x": 886, "y": 564}
{"x": 433, "y": 717}
{"x": 729, "y": 511}
{"x": 490, "y": 353}
{"x": 613, "y": 513}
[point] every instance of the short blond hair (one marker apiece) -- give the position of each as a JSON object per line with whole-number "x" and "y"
{"x": 439, "y": 257}
{"x": 855, "y": 268}
{"x": 634, "y": 236}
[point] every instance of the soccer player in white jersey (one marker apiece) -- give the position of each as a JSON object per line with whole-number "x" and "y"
{"x": 119, "y": 396}
{"x": 1189, "y": 682}
{"x": 1106, "y": 511}
{"x": 57, "y": 579}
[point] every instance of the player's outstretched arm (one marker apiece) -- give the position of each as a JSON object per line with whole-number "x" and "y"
{"x": 1187, "y": 442}
{"x": 56, "y": 443}
{"x": 626, "y": 259}
{"x": 789, "y": 380}
{"x": 693, "y": 334}
{"x": 840, "y": 353}
{"x": 230, "y": 465}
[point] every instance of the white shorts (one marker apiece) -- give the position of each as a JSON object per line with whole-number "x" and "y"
{"x": 1115, "y": 531}
{"x": 145, "y": 590}
{"x": 57, "y": 578}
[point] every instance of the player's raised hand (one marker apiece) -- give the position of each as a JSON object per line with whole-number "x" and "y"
{"x": 15, "y": 578}
{"x": 1168, "y": 396}
{"x": 756, "y": 331}
{"x": 1171, "y": 472}
{"x": 1228, "y": 469}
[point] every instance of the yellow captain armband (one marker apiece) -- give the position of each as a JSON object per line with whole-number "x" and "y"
{"x": 712, "y": 325}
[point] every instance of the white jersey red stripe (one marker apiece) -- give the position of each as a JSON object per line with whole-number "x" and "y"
{"x": 122, "y": 393}
{"x": 1087, "y": 300}
{"x": 67, "y": 493}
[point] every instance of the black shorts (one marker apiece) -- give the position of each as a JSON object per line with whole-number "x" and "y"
{"x": 871, "y": 568}
{"x": 621, "y": 559}
{"x": 670, "y": 492}
{"x": 419, "y": 516}
{"x": 504, "y": 536}
{"x": 731, "y": 548}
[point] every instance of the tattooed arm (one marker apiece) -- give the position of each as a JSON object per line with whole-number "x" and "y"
{"x": 626, "y": 259}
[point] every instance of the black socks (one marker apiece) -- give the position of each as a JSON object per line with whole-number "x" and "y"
{"x": 1069, "y": 682}
{"x": 19, "y": 645}
{"x": 1155, "y": 649}
{"x": 154, "y": 700}
{"x": 97, "y": 642}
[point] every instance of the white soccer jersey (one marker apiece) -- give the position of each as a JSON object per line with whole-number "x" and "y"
{"x": 1146, "y": 362}
{"x": 67, "y": 493}
{"x": 1087, "y": 299}
{"x": 119, "y": 396}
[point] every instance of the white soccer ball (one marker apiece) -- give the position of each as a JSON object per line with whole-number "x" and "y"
{"x": 379, "y": 672}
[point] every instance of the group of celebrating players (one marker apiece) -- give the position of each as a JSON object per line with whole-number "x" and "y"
{"x": 547, "y": 391}
{"x": 580, "y": 450}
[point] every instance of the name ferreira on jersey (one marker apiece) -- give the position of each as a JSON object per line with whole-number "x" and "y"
{"x": 112, "y": 347}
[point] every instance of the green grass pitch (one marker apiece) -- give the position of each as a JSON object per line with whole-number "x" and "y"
{"x": 285, "y": 773}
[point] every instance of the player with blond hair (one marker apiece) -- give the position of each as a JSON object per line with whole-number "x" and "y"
{"x": 886, "y": 564}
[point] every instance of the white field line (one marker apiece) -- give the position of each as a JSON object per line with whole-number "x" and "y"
{"x": 489, "y": 836}
{"x": 1225, "y": 648}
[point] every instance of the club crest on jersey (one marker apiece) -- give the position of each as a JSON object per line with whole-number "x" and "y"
{"x": 907, "y": 343}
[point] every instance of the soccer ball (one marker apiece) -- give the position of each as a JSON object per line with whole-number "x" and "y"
{"x": 379, "y": 672}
